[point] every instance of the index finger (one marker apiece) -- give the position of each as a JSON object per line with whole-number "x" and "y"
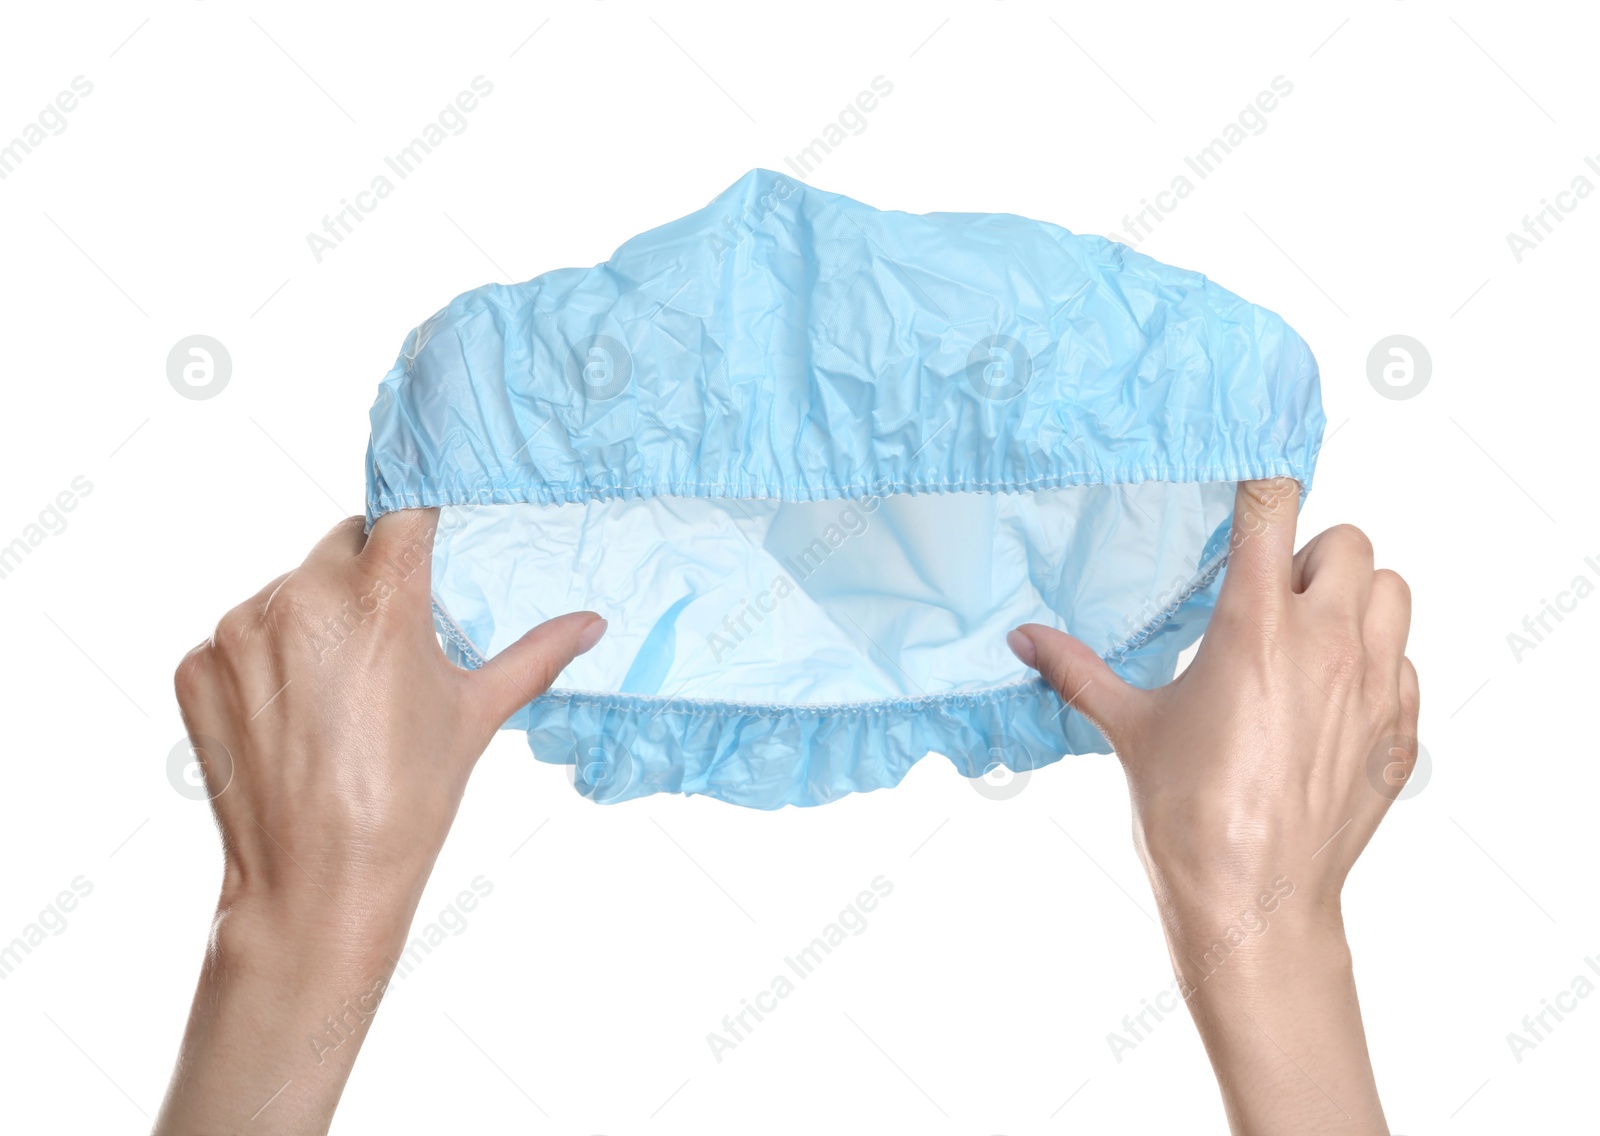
{"x": 400, "y": 546}
{"x": 1261, "y": 546}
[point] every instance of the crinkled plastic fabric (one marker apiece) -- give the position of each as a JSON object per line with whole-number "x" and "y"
{"x": 813, "y": 460}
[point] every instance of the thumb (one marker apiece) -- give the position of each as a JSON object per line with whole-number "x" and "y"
{"x": 525, "y": 670}
{"x": 1079, "y": 676}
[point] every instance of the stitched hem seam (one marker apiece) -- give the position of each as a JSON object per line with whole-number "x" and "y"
{"x": 381, "y": 501}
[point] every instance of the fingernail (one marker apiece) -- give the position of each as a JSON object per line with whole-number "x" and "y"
{"x": 1022, "y": 647}
{"x": 591, "y": 635}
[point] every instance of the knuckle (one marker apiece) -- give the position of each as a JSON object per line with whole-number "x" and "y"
{"x": 351, "y": 526}
{"x": 1270, "y": 494}
{"x": 293, "y": 604}
{"x": 1350, "y": 541}
{"x": 190, "y": 674}
{"x": 1410, "y": 689}
{"x": 234, "y": 630}
{"x": 1392, "y": 581}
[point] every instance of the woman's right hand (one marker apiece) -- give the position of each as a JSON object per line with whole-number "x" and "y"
{"x": 1256, "y": 778}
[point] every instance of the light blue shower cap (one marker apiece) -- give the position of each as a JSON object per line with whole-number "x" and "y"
{"x": 813, "y": 461}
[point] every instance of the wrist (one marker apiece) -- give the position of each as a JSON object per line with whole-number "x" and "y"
{"x": 285, "y": 999}
{"x": 298, "y": 940}
{"x": 1241, "y": 958}
{"x": 1251, "y": 933}
{"x": 1281, "y": 1023}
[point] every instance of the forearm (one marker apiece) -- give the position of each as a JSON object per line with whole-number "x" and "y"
{"x": 281, "y": 1010}
{"x": 1281, "y": 1024}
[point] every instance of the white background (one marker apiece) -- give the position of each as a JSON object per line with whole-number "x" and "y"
{"x": 1019, "y": 932}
